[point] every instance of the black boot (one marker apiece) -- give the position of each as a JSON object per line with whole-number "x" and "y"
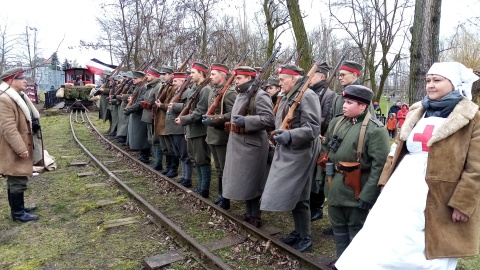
{"x": 145, "y": 155}
{"x": 27, "y": 209}
{"x": 18, "y": 208}
{"x": 204, "y": 186}
{"x": 168, "y": 160}
{"x": 158, "y": 155}
{"x": 173, "y": 172}
{"x": 224, "y": 203}
{"x": 316, "y": 205}
{"x": 220, "y": 190}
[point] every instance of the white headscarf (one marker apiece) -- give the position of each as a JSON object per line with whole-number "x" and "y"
{"x": 459, "y": 75}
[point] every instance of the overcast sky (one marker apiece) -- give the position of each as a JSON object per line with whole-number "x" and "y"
{"x": 73, "y": 20}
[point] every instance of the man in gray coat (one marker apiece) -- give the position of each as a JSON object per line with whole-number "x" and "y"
{"x": 137, "y": 130}
{"x": 217, "y": 137}
{"x": 247, "y": 148}
{"x": 326, "y": 97}
{"x": 289, "y": 181}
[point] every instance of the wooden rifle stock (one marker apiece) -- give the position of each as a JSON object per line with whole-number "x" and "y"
{"x": 139, "y": 86}
{"x": 186, "y": 109}
{"x": 182, "y": 89}
{"x": 163, "y": 90}
{"x": 184, "y": 64}
{"x": 219, "y": 96}
{"x": 290, "y": 115}
{"x": 253, "y": 88}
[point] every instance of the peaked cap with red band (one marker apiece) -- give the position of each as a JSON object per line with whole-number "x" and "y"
{"x": 245, "y": 70}
{"x": 199, "y": 66}
{"x": 180, "y": 75}
{"x": 352, "y": 66}
{"x": 154, "y": 72}
{"x": 220, "y": 67}
{"x": 13, "y": 73}
{"x": 290, "y": 70}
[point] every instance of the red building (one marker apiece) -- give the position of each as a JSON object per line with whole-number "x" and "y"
{"x": 79, "y": 76}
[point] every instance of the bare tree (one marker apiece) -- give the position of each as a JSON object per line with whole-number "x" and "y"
{"x": 7, "y": 43}
{"x": 378, "y": 29}
{"x": 276, "y": 16}
{"x": 424, "y": 49}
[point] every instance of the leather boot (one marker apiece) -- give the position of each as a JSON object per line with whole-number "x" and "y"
{"x": 219, "y": 197}
{"x": 158, "y": 155}
{"x": 204, "y": 186}
{"x": 316, "y": 205}
{"x": 168, "y": 160}
{"x": 18, "y": 208}
{"x": 291, "y": 238}
{"x": 342, "y": 240}
{"x": 303, "y": 244}
{"x": 173, "y": 172}
{"x": 27, "y": 209}
{"x": 224, "y": 203}
{"x": 145, "y": 155}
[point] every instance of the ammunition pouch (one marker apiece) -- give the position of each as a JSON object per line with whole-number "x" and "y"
{"x": 352, "y": 173}
{"x": 236, "y": 129}
{"x": 146, "y": 104}
{"x": 322, "y": 160}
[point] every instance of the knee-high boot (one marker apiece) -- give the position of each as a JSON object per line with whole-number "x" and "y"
{"x": 187, "y": 182}
{"x": 158, "y": 155}
{"x": 168, "y": 161}
{"x": 17, "y": 201}
{"x": 206, "y": 172}
{"x": 173, "y": 172}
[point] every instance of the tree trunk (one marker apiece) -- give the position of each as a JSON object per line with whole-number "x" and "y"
{"x": 271, "y": 31}
{"x": 300, "y": 34}
{"x": 424, "y": 49}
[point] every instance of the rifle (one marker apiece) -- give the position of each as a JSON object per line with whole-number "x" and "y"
{"x": 186, "y": 109}
{"x": 289, "y": 117}
{"x": 138, "y": 87}
{"x": 169, "y": 83}
{"x": 253, "y": 88}
{"x": 109, "y": 79}
{"x": 219, "y": 96}
{"x": 300, "y": 54}
{"x": 332, "y": 75}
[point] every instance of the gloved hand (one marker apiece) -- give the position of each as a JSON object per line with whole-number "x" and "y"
{"x": 282, "y": 137}
{"x": 35, "y": 125}
{"x": 364, "y": 205}
{"x": 239, "y": 120}
{"x": 127, "y": 112}
{"x": 206, "y": 120}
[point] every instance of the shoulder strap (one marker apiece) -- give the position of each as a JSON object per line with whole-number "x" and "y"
{"x": 361, "y": 136}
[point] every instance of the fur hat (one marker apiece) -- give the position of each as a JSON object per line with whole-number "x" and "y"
{"x": 359, "y": 93}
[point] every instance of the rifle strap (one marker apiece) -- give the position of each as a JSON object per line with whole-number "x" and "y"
{"x": 251, "y": 104}
{"x": 361, "y": 136}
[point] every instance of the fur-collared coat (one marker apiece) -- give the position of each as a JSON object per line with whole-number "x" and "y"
{"x": 15, "y": 132}
{"x": 453, "y": 179}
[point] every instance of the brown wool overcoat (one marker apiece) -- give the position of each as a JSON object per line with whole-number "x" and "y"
{"x": 453, "y": 179}
{"x": 15, "y": 137}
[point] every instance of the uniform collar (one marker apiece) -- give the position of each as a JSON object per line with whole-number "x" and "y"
{"x": 359, "y": 118}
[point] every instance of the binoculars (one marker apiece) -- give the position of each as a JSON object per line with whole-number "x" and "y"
{"x": 334, "y": 143}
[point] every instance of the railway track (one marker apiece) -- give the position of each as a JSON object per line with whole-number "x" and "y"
{"x": 195, "y": 223}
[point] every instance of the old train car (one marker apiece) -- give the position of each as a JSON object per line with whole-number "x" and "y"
{"x": 79, "y": 82}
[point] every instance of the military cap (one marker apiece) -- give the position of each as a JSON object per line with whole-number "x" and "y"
{"x": 245, "y": 70}
{"x": 128, "y": 74}
{"x": 13, "y": 73}
{"x": 220, "y": 67}
{"x": 180, "y": 75}
{"x": 138, "y": 74}
{"x": 199, "y": 66}
{"x": 359, "y": 93}
{"x": 117, "y": 77}
{"x": 166, "y": 70}
{"x": 290, "y": 70}
{"x": 323, "y": 68}
{"x": 351, "y": 66}
{"x": 272, "y": 81}
{"x": 154, "y": 72}
{"x": 106, "y": 72}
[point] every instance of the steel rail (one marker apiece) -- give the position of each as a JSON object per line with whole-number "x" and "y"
{"x": 202, "y": 253}
{"x": 305, "y": 262}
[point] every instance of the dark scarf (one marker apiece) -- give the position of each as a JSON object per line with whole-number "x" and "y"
{"x": 442, "y": 107}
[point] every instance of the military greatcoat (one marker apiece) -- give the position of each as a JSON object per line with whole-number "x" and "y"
{"x": 193, "y": 121}
{"x": 122, "y": 127}
{"x": 245, "y": 170}
{"x": 152, "y": 89}
{"x": 161, "y": 115}
{"x": 137, "y": 130}
{"x": 291, "y": 172}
